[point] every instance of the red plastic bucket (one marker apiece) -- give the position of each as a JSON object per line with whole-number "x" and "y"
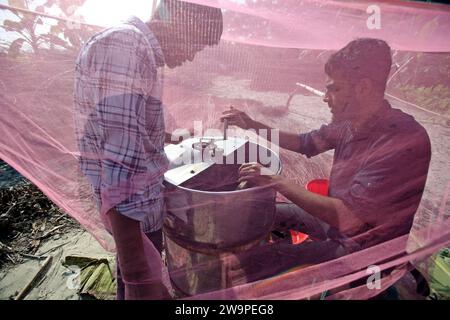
{"x": 319, "y": 186}
{"x": 298, "y": 237}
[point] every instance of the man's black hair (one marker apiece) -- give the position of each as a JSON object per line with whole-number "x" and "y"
{"x": 362, "y": 58}
{"x": 202, "y": 25}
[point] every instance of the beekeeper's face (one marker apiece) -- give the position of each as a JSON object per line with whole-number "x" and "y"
{"x": 179, "y": 51}
{"x": 185, "y": 29}
{"x": 181, "y": 43}
{"x": 340, "y": 97}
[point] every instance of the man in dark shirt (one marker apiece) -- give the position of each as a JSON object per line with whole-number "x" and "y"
{"x": 380, "y": 166}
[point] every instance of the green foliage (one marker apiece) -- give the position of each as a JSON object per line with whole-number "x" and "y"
{"x": 9, "y": 25}
{"x": 433, "y": 98}
{"x": 59, "y": 35}
{"x": 18, "y": 3}
{"x": 14, "y": 48}
{"x": 96, "y": 277}
{"x": 439, "y": 275}
{"x": 424, "y": 80}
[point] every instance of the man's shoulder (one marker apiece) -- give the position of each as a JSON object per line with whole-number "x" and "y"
{"x": 124, "y": 42}
{"x": 398, "y": 122}
{"x": 124, "y": 34}
{"x": 405, "y": 132}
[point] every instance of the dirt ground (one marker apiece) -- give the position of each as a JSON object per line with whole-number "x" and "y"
{"x": 33, "y": 229}
{"x": 55, "y": 285}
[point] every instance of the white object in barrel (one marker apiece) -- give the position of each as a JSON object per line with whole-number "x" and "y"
{"x": 225, "y": 128}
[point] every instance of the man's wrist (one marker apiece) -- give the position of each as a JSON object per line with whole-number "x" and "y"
{"x": 257, "y": 125}
{"x": 277, "y": 182}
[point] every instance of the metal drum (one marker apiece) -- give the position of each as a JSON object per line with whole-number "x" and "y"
{"x": 207, "y": 217}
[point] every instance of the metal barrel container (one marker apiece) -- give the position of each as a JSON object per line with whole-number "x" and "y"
{"x": 206, "y": 218}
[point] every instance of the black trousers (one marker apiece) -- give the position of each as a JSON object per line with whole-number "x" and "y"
{"x": 156, "y": 239}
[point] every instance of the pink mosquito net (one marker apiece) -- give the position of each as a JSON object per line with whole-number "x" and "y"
{"x": 269, "y": 63}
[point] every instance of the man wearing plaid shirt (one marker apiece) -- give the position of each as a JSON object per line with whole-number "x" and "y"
{"x": 121, "y": 132}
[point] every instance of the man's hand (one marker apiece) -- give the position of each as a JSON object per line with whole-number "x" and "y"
{"x": 237, "y": 118}
{"x": 257, "y": 175}
{"x": 287, "y": 140}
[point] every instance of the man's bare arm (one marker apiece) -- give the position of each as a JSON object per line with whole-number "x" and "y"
{"x": 288, "y": 140}
{"x": 328, "y": 209}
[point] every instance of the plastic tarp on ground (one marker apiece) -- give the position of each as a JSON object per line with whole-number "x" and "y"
{"x": 266, "y": 50}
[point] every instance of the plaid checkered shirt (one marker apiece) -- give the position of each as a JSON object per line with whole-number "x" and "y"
{"x": 119, "y": 121}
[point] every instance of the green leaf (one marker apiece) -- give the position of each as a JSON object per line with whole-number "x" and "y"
{"x": 18, "y": 3}
{"x": 10, "y": 25}
{"x": 56, "y": 29}
{"x": 55, "y": 40}
{"x": 14, "y": 48}
{"x": 73, "y": 37}
{"x": 30, "y": 19}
